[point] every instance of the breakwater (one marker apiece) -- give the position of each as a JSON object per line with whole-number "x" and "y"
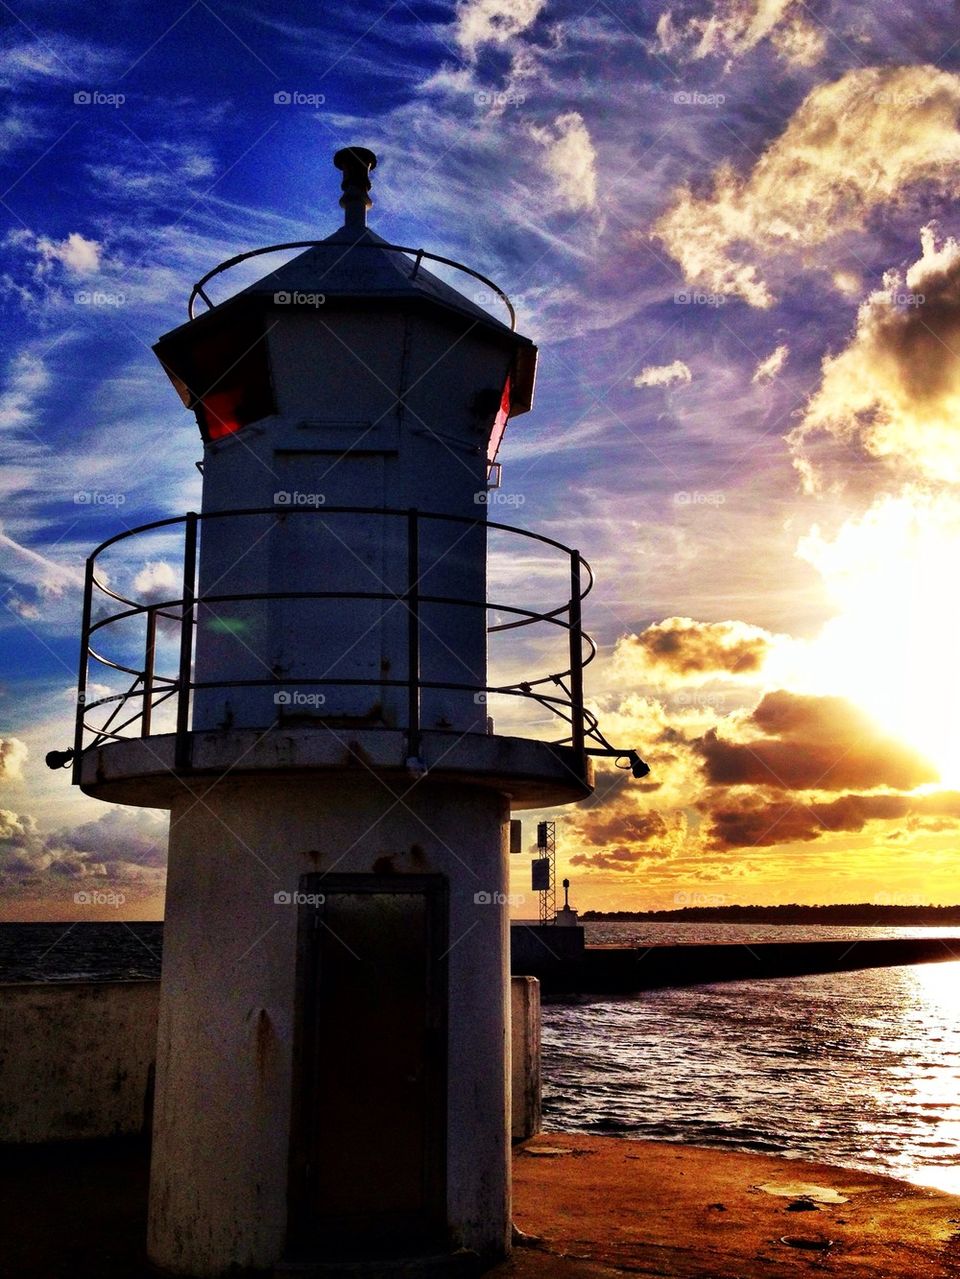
{"x": 564, "y": 964}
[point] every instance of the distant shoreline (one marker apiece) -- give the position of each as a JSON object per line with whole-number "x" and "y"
{"x": 858, "y": 914}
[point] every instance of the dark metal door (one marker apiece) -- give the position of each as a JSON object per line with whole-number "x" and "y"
{"x": 369, "y": 1118}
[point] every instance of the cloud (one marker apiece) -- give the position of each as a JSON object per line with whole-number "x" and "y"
{"x": 13, "y": 753}
{"x": 623, "y": 833}
{"x": 156, "y": 581}
{"x": 78, "y": 254}
{"x": 483, "y": 22}
{"x": 893, "y": 393}
{"x": 768, "y": 369}
{"x": 124, "y": 845}
{"x": 735, "y": 27}
{"x": 799, "y": 742}
{"x": 864, "y": 142}
{"x": 570, "y": 159}
{"x": 679, "y": 650}
{"x": 57, "y": 58}
{"x": 751, "y": 821}
{"x": 663, "y": 374}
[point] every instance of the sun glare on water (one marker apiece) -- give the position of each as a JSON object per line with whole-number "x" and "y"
{"x": 894, "y": 646}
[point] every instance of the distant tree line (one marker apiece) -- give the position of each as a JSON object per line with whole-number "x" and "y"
{"x": 862, "y": 914}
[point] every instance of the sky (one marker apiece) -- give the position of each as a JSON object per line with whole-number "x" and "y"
{"x": 731, "y": 228}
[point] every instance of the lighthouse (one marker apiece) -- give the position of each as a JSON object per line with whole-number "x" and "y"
{"x": 306, "y": 691}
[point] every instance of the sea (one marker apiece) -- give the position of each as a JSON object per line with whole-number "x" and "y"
{"x": 860, "y": 1069}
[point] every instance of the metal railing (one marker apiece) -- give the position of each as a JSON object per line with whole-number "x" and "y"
{"x": 560, "y": 691}
{"x": 418, "y": 255}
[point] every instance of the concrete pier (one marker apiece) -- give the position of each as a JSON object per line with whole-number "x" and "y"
{"x": 599, "y": 970}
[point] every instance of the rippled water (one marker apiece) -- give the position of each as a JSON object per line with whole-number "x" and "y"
{"x": 860, "y": 1069}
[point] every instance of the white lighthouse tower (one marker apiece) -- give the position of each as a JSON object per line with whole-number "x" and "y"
{"x": 333, "y": 1046}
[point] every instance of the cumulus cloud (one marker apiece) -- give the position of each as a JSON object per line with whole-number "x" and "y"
{"x": 125, "y": 845}
{"x": 663, "y": 374}
{"x": 81, "y": 256}
{"x": 680, "y": 650}
{"x": 13, "y": 753}
{"x": 800, "y": 742}
{"x": 483, "y": 22}
{"x": 893, "y": 393}
{"x": 863, "y": 142}
{"x": 734, "y": 27}
{"x": 155, "y": 582}
{"x": 751, "y": 821}
{"x": 768, "y": 368}
{"x": 622, "y": 834}
{"x": 570, "y": 160}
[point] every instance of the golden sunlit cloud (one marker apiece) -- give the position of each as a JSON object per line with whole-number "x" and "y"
{"x": 768, "y": 369}
{"x": 893, "y": 392}
{"x": 861, "y": 142}
{"x": 679, "y": 651}
{"x": 734, "y": 27}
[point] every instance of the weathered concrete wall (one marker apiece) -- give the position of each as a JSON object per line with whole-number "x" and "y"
{"x": 525, "y": 1056}
{"x": 75, "y": 1059}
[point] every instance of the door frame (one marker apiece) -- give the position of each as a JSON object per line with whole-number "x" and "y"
{"x": 306, "y": 1238}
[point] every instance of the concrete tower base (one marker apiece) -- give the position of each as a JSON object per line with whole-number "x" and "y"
{"x": 239, "y": 1018}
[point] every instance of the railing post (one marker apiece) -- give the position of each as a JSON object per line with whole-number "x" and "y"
{"x": 576, "y": 656}
{"x": 82, "y": 670}
{"x": 182, "y": 751}
{"x": 149, "y": 657}
{"x": 412, "y": 600}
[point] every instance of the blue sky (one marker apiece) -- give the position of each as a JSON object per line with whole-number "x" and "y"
{"x": 716, "y": 219}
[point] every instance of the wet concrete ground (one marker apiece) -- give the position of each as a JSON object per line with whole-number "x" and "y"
{"x": 601, "y": 1207}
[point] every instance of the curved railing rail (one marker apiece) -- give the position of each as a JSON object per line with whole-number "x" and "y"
{"x": 560, "y": 691}
{"x": 418, "y": 255}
